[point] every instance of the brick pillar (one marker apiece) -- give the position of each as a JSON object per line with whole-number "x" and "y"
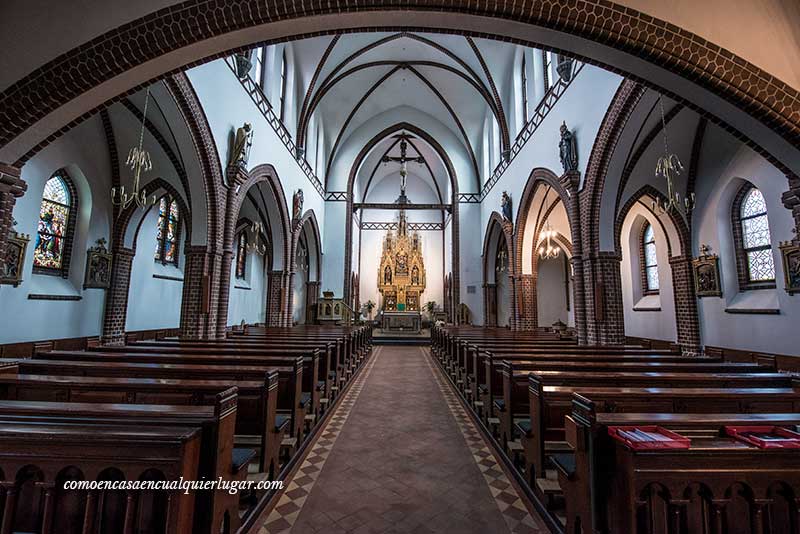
{"x": 791, "y": 199}
{"x": 115, "y": 314}
{"x": 603, "y": 292}
{"x": 686, "y": 317}
{"x": 288, "y": 319}
{"x": 571, "y": 181}
{"x": 527, "y": 310}
{"x": 236, "y": 176}
{"x": 312, "y": 297}
{"x": 11, "y": 188}
{"x": 275, "y": 298}
{"x": 201, "y": 289}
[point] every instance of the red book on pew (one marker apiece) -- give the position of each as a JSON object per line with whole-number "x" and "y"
{"x": 765, "y": 437}
{"x": 640, "y": 438}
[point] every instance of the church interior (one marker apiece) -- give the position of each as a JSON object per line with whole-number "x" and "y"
{"x": 418, "y": 267}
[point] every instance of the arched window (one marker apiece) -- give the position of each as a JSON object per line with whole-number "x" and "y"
{"x": 649, "y": 260}
{"x": 547, "y": 59}
{"x": 241, "y": 255}
{"x": 56, "y": 227}
{"x": 283, "y": 87}
{"x": 524, "y": 89}
{"x": 168, "y": 230}
{"x": 756, "y": 267}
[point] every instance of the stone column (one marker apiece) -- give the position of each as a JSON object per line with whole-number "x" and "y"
{"x": 571, "y": 181}
{"x": 687, "y": 319}
{"x": 115, "y": 314}
{"x": 603, "y": 292}
{"x": 201, "y": 289}
{"x": 236, "y": 176}
{"x": 11, "y": 188}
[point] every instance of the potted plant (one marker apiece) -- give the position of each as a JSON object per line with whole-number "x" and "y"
{"x": 430, "y": 307}
{"x": 369, "y": 306}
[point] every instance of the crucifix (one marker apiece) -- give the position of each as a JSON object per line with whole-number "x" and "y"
{"x": 403, "y": 160}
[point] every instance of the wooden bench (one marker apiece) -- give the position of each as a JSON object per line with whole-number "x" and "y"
{"x": 37, "y": 459}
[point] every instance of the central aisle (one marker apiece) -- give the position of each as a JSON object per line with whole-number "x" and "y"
{"x": 400, "y": 455}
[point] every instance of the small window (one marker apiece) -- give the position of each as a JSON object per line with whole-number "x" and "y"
{"x": 548, "y": 69}
{"x": 649, "y": 259}
{"x": 259, "y": 66}
{"x": 524, "y": 89}
{"x": 754, "y": 247}
{"x": 241, "y": 255}
{"x": 283, "y": 87}
{"x": 55, "y": 229}
{"x": 167, "y": 231}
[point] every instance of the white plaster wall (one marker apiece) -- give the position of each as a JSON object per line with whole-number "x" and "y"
{"x": 248, "y": 296}
{"x": 723, "y": 165}
{"x": 471, "y": 260}
{"x": 551, "y": 293}
{"x": 227, "y": 107}
{"x": 647, "y": 324}
{"x": 30, "y": 320}
{"x": 154, "y": 302}
{"x": 583, "y": 116}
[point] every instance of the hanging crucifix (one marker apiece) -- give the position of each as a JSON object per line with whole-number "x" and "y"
{"x": 403, "y": 161}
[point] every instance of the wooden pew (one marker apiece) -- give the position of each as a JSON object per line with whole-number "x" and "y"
{"x": 297, "y": 393}
{"x": 256, "y": 409}
{"x": 36, "y": 459}
{"x": 610, "y": 489}
{"x": 549, "y": 405}
{"x": 216, "y": 456}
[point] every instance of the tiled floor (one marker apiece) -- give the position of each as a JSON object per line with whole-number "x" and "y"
{"x": 400, "y": 455}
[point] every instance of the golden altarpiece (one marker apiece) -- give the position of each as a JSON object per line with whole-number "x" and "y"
{"x": 401, "y": 275}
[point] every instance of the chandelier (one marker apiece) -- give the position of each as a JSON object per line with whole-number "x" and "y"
{"x": 139, "y": 161}
{"x": 547, "y": 251}
{"x": 669, "y": 167}
{"x": 254, "y": 246}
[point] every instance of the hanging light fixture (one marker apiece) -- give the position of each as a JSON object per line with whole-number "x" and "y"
{"x": 669, "y": 167}
{"x": 139, "y": 161}
{"x": 254, "y": 246}
{"x": 547, "y": 251}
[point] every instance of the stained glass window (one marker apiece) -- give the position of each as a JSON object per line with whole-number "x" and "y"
{"x": 167, "y": 231}
{"x": 755, "y": 237}
{"x": 241, "y": 255}
{"x": 650, "y": 260}
{"x": 54, "y": 224}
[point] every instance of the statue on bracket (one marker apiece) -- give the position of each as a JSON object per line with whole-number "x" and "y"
{"x": 568, "y": 150}
{"x": 297, "y": 205}
{"x": 98, "y": 266}
{"x": 240, "y": 149}
{"x": 505, "y": 206}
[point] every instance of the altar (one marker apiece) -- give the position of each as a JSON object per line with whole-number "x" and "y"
{"x": 401, "y": 272}
{"x": 401, "y": 321}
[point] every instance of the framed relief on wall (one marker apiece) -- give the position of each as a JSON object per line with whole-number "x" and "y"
{"x": 11, "y": 266}
{"x": 706, "y": 275}
{"x": 791, "y": 267}
{"x": 98, "y": 266}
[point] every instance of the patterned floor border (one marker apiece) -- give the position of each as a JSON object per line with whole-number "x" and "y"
{"x": 290, "y": 503}
{"x": 517, "y": 515}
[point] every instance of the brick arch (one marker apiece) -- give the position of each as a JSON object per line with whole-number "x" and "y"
{"x": 502, "y": 228}
{"x": 266, "y": 173}
{"x": 178, "y": 27}
{"x": 687, "y": 319}
{"x": 309, "y": 218}
{"x": 537, "y": 177}
{"x": 121, "y": 228}
{"x": 451, "y": 172}
{"x": 677, "y": 222}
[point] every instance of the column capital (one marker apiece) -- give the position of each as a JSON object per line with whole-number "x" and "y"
{"x": 10, "y": 181}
